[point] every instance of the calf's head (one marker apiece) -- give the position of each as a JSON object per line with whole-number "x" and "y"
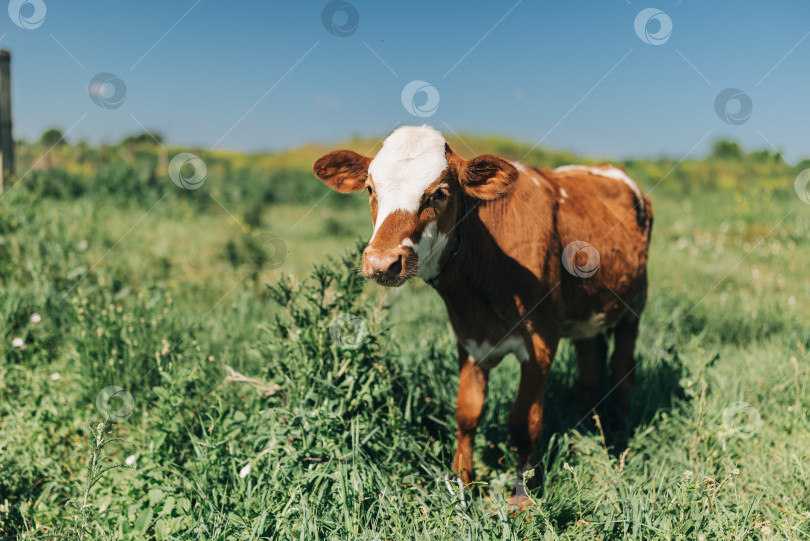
{"x": 416, "y": 185}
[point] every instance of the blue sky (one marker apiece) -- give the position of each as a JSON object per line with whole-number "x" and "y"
{"x": 571, "y": 73}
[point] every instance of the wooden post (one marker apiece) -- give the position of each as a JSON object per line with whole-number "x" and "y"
{"x": 6, "y": 141}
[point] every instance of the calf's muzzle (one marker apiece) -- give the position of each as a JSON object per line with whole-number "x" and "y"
{"x": 384, "y": 266}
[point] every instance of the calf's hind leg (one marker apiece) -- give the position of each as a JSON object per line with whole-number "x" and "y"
{"x": 623, "y": 362}
{"x": 591, "y": 357}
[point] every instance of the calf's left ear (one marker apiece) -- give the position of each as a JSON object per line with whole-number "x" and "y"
{"x": 343, "y": 170}
{"x": 487, "y": 177}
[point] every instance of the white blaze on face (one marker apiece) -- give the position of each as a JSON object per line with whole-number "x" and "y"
{"x": 411, "y": 159}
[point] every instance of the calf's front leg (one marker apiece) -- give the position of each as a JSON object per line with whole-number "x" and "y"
{"x": 526, "y": 415}
{"x": 472, "y": 388}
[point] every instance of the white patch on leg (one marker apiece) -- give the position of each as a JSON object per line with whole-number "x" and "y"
{"x": 578, "y": 330}
{"x": 485, "y": 354}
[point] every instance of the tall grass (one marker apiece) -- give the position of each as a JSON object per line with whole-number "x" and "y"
{"x": 293, "y": 400}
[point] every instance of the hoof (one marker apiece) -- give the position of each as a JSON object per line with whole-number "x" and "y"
{"x": 455, "y": 487}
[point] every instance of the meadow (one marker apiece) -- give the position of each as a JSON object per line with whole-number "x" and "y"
{"x": 249, "y": 419}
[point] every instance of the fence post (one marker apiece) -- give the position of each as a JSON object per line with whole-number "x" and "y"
{"x": 6, "y": 141}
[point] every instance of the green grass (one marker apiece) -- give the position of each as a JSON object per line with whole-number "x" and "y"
{"x": 354, "y": 443}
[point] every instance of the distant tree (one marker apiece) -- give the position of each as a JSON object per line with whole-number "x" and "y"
{"x": 760, "y": 156}
{"x": 81, "y": 151}
{"x": 766, "y": 156}
{"x": 727, "y": 150}
{"x": 131, "y": 142}
{"x": 52, "y": 137}
{"x": 144, "y": 137}
{"x": 52, "y": 140}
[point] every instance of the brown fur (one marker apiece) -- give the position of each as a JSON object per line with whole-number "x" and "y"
{"x": 507, "y": 279}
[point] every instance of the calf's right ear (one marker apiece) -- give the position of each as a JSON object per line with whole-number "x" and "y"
{"x": 342, "y": 170}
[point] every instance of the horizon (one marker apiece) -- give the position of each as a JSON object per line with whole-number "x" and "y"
{"x": 614, "y": 80}
{"x": 378, "y": 140}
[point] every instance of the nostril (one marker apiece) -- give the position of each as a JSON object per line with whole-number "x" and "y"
{"x": 396, "y": 267}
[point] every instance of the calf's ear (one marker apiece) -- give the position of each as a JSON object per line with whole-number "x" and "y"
{"x": 485, "y": 177}
{"x": 342, "y": 170}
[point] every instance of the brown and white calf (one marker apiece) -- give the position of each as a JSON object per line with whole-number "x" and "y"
{"x": 522, "y": 257}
